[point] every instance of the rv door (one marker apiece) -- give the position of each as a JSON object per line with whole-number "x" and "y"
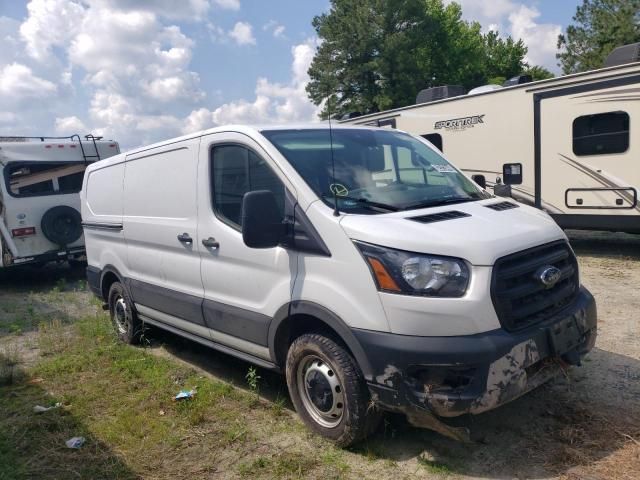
{"x": 589, "y": 165}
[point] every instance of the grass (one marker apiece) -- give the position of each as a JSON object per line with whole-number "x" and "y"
{"x": 121, "y": 399}
{"x": 434, "y": 467}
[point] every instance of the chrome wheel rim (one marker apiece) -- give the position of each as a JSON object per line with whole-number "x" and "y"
{"x": 120, "y": 315}
{"x": 321, "y": 392}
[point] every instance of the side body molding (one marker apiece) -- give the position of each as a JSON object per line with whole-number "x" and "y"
{"x": 301, "y": 307}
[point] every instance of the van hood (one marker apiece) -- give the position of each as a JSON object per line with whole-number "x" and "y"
{"x": 481, "y": 236}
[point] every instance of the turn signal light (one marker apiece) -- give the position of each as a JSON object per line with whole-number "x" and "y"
{"x": 385, "y": 281}
{"x": 23, "y": 232}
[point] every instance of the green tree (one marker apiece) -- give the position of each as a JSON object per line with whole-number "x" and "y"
{"x": 377, "y": 54}
{"x": 599, "y": 27}
{"x": 538, "y": 73}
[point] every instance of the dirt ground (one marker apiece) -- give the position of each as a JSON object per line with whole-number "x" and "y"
{"x": 585, "y": 425}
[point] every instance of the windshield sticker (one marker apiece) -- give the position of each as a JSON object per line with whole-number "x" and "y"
{"x": 339, "y": 190}
{"x": 459, "y": 123}
{"x": 444, "y": 168}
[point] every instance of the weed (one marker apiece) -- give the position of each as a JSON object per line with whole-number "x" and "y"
{"x": 252, "y": 380}
{"x": 9, "y": 360}
{"x": 278, "y": 406}
{"x": 433, "y": 466}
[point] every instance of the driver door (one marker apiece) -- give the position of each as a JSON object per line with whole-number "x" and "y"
{"x": 243, "y": 287}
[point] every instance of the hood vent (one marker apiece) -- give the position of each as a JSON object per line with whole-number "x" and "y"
{"x": 502, "y": 206}
{"x": 439, "y": 217}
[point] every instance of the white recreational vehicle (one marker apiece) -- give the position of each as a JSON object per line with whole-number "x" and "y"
{"x": 40, "y": 178}
{"x": 569, "y": 145}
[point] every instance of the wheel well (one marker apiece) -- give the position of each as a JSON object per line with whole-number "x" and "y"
{"x": 299, "y": 324}
{"x": 108, "y": 279}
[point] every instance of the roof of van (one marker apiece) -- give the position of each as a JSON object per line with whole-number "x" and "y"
{"x": 250, "y": 130}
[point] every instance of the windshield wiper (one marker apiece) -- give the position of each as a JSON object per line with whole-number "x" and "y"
{"x": 367, "y": 203}
{"x": 438, "y": 203}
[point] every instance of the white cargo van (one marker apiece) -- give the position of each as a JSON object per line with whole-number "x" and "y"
{"x": 40, "y": 178}
{"x": 358, "y": 261}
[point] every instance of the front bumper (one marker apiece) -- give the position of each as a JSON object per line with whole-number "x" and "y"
{"x": 452, "y": 376}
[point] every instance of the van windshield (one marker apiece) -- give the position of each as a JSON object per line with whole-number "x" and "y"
{"x": 373, "y": 171}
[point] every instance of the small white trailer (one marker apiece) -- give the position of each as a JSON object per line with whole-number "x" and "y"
{"x": 40, "y": 181}
{"x": 569, "y": 145}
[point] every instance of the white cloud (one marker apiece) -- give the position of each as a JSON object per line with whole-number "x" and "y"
{"x": 518, "y": 20}
{"x": 540, "y": 38}
{"x": 193, "y": 10}
{"x": 274, "y": 102}
{"x": 70, "y": 125}
{"x": 50, "y": 23}
{"x": 278, "y": 32}
{"x": 276, "y": 29}
{"x": 242, "y": 33}
{"x": 7, "y": 117}
{"x": 18, "y": 82}
{"x": 228, "y": 4}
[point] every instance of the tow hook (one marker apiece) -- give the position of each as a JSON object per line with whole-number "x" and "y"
{"x": 572, "y": 358}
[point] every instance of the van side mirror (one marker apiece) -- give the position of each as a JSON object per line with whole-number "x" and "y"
{"x": 262, "y": 222}
{"x": 512, "y": 173}
{"x": 480, "y": 180}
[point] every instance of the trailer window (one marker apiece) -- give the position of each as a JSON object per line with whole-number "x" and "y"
{"x": 435, "y": 139}
{"x": 601, "y": 134}
{"x": 31, "y": 179}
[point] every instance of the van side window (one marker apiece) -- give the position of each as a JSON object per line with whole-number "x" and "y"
{"x": 31, "y": 179}
{"x": 600, "y": 134}
{"x": 236, "y": 170}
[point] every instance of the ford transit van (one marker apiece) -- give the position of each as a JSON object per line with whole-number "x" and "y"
{"x": 356, "y": 260}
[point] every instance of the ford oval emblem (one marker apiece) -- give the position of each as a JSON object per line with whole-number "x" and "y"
{"x": 21, "y": 216}
{"x": 548, "y": 275}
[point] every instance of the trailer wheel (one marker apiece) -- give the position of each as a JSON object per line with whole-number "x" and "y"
{"x": 328, "y": 390}
{"x": 62, "y": 225}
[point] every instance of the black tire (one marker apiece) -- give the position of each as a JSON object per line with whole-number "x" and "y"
{"x": 61, "y": 225}
{"x": 123, "y": 315}
{"x": 314, "y": 364}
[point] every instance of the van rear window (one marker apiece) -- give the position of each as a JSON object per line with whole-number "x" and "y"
{"x": 32, "y": 179}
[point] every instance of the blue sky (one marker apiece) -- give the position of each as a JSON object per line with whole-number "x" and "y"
{"x": 140, "y": 71}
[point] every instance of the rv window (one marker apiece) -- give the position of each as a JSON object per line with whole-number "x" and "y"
{"x": 31, "y": 179}
{"x": 435, "y": 139}
{"x": 600, "y": 134}
{"x": 237, "y": 170}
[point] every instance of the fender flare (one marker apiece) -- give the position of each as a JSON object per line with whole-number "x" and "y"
{"x": 302, "y": 307}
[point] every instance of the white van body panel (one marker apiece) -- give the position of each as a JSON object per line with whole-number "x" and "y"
{"x": 160, "y": 203}
{"x": 102, "y": 206}
{"x": 343, "y": 283}
{"x": 256, "y": 282}
{"x": 491, "y": 234}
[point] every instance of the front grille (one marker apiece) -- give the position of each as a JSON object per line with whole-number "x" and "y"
{"x": 520, "y": 298}
{"x": 440, "y": 217}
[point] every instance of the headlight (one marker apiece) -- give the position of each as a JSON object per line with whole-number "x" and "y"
{"x": 415, "y": 273}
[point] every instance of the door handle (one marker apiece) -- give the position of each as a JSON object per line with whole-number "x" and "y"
{"x": 185, "y": 238}
{"x": 210, "y": 243}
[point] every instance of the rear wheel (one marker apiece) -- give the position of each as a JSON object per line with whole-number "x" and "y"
{"x": 124, "y": 318}
{"x": 328, "y": 390}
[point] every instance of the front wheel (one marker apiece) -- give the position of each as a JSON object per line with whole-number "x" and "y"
{"x": 124, "y": 318}
{"x": 328, "y": 390}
